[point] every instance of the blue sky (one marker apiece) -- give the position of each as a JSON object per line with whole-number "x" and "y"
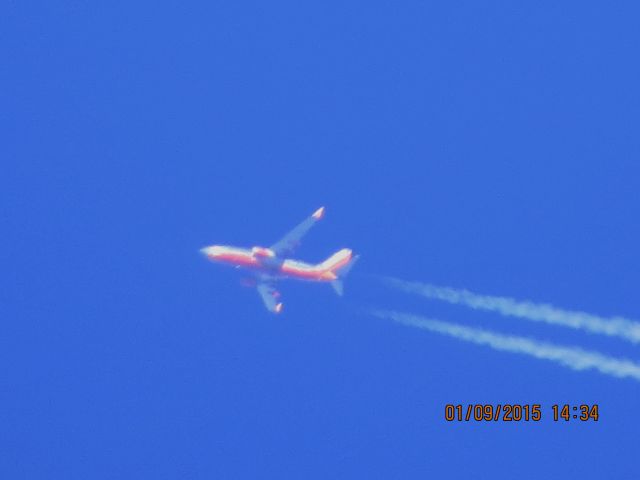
{"x": 486, "y": 146}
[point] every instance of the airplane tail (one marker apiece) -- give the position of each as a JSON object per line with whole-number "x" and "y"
{"x": 340, "y": 263}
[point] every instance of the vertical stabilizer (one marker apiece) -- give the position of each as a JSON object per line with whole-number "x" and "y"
{"x": 341, "y": 272}
{"x": 337, "y": 260}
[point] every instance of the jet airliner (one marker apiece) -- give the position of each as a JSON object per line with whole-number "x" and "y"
{"x": 268, "y": 265}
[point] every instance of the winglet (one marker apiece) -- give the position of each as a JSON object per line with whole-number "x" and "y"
{"x": 318, "y": 214}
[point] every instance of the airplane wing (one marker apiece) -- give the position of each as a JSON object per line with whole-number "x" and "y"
{"x": 270, "y": 297}
{"x": 291, "y": 240}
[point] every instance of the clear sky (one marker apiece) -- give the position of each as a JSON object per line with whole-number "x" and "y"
{"x": 491, "y": 146}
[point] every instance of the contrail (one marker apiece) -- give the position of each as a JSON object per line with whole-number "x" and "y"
{"x": 614, "y": 326}
{"x": 572, "y": 357}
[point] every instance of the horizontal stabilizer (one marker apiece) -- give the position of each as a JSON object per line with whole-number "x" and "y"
{"x": 338, "y": 284}
{"x": 343, "y": 271}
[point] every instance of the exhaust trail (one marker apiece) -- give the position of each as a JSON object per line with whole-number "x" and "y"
{"x": 571, "y": 357}
{"x": 614, "y": 326}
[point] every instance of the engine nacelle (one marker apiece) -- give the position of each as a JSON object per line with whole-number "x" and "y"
{"x": 262, "y": 252}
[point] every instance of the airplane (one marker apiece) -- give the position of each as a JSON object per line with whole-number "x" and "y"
{"x": 268, "y": 265}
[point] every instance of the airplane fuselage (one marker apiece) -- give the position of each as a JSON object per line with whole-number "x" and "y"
{"x": 265, "y": 261}
{"x": 271, "y": 264}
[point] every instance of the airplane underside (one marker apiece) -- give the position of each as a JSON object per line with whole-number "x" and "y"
{"x": 270, "y": 265}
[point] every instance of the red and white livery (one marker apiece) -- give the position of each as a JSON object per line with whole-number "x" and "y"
{"x": 271, "y": 264}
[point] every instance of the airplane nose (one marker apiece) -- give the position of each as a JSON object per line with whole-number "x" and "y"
{"x": 212, "y": 251}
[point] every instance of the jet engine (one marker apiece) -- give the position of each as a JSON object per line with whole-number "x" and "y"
{"x": 262, "y": 252}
